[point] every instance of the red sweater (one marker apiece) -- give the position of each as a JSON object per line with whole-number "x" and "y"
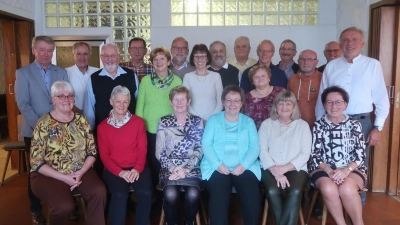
{"x": 123, "y": 147}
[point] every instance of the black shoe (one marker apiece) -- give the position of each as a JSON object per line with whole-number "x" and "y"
{"x": 189, "y": 223}
{"x": 38, "y": 219}
{"x": 131, "y": 205}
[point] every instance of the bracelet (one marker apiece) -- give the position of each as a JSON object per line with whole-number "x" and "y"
{"x": 325, "y": 168}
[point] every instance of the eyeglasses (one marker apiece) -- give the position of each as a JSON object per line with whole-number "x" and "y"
{"x": 307, "y": 59}
{"x": 137, "y": 48}
{"x": 332, "y": 50}
{"x": 63, "y": 97}
{"x": 109, "y": 56}
{"x": 202, "y": 57}
{"x": 337, "y": 103}
{"x": 235, "y": 101}
{"x": 265, "y": 51}
{"x": 287, "y": 49}
{"x": 180, "y": 48}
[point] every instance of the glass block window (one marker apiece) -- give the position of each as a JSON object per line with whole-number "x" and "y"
{"x": 128, "y": 19}
{"x": 243, "y": 12}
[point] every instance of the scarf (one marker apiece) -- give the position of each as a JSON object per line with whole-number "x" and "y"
{"x": 113, "y": 121}
{"x": 162, "y": 83}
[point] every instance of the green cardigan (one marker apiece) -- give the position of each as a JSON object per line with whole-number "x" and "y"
{"x": 153, "y": 103}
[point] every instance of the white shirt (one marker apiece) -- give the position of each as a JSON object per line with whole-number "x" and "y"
{"x": 363, "y": 80}
{"x": 78, "y": 81}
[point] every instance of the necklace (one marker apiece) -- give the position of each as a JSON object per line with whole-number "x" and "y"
{"x": 205, "y": 77}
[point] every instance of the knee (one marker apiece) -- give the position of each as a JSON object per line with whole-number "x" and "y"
{"x": 347, "y": 191}
{"x": 330, "y": 191}
{"x": 99, "y": 191}
{"x": 193, "y": 194}
{"x": 171, "y": 195}
{"x": 62, "y": 208}
{"x": 271, "y": 192}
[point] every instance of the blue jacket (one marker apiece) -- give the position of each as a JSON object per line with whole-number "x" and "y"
{"x": 278, "y": 78}
{"x": 214, "y": 139}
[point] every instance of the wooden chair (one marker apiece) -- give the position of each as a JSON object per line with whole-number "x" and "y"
{"x": 76, "y": 194}
{"x": 325, "y": 209}
{"x": 265, "y": 214}
{"x": 198, "y": 221}
{"x": 20, "y": 147}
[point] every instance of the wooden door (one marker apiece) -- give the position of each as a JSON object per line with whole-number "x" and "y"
{"x": 17, "y": 37}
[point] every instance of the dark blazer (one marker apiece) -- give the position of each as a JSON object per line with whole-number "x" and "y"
{"x": 31, "y": 94}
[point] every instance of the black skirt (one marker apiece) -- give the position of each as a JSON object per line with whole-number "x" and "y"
{"x": 187, "y": 181}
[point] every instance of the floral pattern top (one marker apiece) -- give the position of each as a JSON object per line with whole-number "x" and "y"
{"x": 338, "y": 144}
{"x": 177, "y": 146}
{"x": 62, "y": 146}
{"x": 259, "y": 108}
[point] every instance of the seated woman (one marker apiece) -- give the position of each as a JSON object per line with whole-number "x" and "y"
{"x": 285, "y": 142}
{"x": 259, "y": 101}
{"x": 123, "y": 146}
{"x": 62, "y": 154}
{"x": 179, "y": 151}
{"x": 231, "y": 147}
{"x": 337, "y": 159}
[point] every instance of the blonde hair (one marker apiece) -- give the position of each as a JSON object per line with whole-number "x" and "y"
{"x": 285, "y": 96}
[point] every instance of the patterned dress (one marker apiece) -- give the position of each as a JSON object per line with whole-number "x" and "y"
{"x": 62, "y": 146}
{"x": 259, "y": 108}
{"x": 177, "y": 146}
{"x": 338, "y": 144}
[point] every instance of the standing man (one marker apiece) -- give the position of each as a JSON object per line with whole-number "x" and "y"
{"x": 229, "y": 74}
{"x": 79, "y": 73}
{"x": 179, "y": 51}
{"x": 362, "y": 78}
{"x": 305, "y": 85}
{"x": 332, "y": 51}
{"x": 32, "y": 91}
{"x": 265, "y": 52}
{"x": 287, "y": 51}
{"x": 97, "y": 100}
{"x": 137, "y": 50}
{"x": 242, "y": 50}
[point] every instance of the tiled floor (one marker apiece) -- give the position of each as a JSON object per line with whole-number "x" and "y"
{"x": 381, "y": 209}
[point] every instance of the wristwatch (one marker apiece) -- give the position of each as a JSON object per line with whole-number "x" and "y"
{"x": 378, "y": 128}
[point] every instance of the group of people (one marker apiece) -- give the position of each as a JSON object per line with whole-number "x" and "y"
{"x": 225, "y": 124}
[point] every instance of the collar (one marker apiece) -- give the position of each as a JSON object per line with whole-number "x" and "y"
{"x": 288, "y": 65}
{"x": 77, "y": 68}
{"x": 247, "y": 63}
{"x": 357, "y": 58}
{"x": 41, "y": 68}
{"x": 120, "y": 71}
{"x": 225, "y": 66}
{"x": 184, "y": 65}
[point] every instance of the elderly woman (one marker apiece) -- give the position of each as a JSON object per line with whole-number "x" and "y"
{"x": 231, "y": 147}
{"x": 259, "y": 101}
{"x": 62, "y": 154}
{"x": 179, "y": 151}
{"x": 337, "y": 158}
{"x": 123, "y": 146}
{"x": 153, "y": 103}
{"x": 205, "y": 86}
{"x": 285, "y": 142}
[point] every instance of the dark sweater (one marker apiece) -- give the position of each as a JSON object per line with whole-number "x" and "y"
{"x": 229, "y": 76}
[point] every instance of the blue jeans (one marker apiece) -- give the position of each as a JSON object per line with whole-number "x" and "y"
{"x": 119, "y": 189}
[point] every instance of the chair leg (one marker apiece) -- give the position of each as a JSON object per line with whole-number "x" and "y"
{"x": 313, "y": 200}
{"x": 83, "y": 202}
{"x": 5, "y": 167}
{"x": 28, "y": 164}
{"x": 198, "y": 222}
{"x": 162, "y": 217}
{"x": 301, "y": 217}
{"x": 20, "y": 165}
{"x": 203, "y": 210}
{"x": 265, "y": 213}
{"x": 324, "y": 214}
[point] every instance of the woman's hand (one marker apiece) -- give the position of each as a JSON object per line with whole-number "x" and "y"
{"x": 72, "y": 180}
{"x": 180, "y": 171}
{"x": 340, "y": 174}
{"x": 134, "y": 175}
{"x": 282, "y": 181}
{"x": 238, "y": 170}
{"x": 126, "y": 175}
{"x": 223, "y": 169}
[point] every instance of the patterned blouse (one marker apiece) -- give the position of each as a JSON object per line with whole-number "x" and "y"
{"x": 259, "y": 108}
{"x": 338, "y": 144}
{"x": 62, "y": 146}
{"x": 177, "y": 146}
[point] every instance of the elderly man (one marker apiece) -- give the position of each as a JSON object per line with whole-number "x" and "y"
{"x": 242, "y": 49}
{"x": 137, "y": 50}
{"x": 265, "y": 52}
{"x": 362, "y": 78}
{"x": 97, "y": 100}
{"x": 179, "y": 51}
{"x": 305, "y": 85}
{"x": 32, "y": 91}
{"x": 79, "y": 73}
{"x": 287, "y": 51}
{"x": 332, "y": 51}
{"x": 229, "y": 74}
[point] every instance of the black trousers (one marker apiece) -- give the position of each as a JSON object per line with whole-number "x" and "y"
{"x": 285, "y": 207}
{"x": 154, "y": 164}
{"x": 220, "y": 186}
{"x": 34, "y": 201}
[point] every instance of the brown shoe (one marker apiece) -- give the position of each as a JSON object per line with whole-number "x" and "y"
{"x": 38, "y": 219}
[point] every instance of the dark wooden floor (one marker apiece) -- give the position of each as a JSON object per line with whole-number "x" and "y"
{"x": 381, "y": 209}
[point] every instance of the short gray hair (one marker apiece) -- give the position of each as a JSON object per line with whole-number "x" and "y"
{"x": 352, "y": 29}
{"x": 120, "y": 90}
{"x": 112, "y": 45}
{"x": 180, "y": 38}
{"x": 57, "y": 86}
{"x": 242, "y": 37}
{"x": 288, "y": 41}
{"x": 218, "y": 42}
{"x": 46, "y": 39}
{"x": 80, "y": 44}
{"x": 284, "y": 96}
{"x": 266, "y": 41}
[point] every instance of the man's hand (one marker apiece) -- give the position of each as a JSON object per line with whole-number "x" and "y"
{"x": 373, "y": 137}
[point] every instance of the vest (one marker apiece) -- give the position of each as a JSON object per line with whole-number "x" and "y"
{"x": 102, "y": 87}
{"x": 229, "y": 76}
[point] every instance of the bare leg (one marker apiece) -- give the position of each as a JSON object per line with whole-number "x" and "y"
{"x": 330, "y": 195}
{"x": 351, "y": 200}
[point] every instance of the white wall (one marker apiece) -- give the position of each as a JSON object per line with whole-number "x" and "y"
{"x": 23, "y": 8}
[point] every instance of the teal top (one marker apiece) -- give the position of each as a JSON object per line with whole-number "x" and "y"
{"x": 231, "y": 159}
{"x": 215, "y": 139}
{"x": 153, "y": 103}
